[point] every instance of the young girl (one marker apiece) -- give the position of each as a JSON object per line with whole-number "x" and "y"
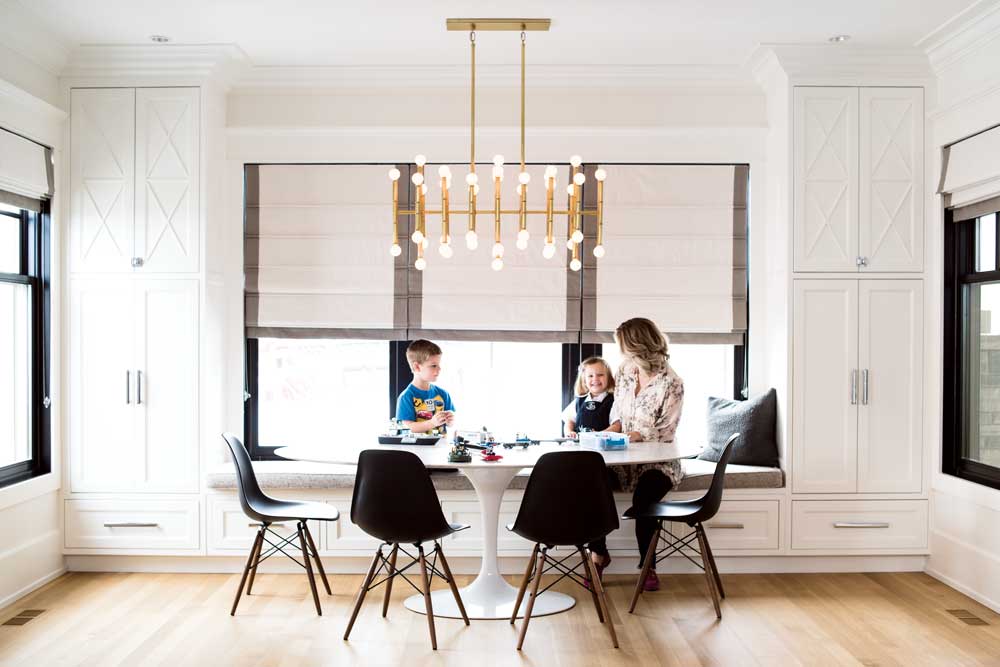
{"x": 591, "y": 409}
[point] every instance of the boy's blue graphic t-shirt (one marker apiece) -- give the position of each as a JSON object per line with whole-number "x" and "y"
{"x": 417, "y": 405}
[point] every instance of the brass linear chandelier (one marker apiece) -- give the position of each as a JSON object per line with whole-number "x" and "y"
{"x": 575, "y": 209}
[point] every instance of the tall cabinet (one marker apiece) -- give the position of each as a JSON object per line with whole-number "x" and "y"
{"x": 134, "y": 302}
{"x": 857, "y": 320}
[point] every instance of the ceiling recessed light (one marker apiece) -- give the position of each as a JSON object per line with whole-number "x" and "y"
{"x": 159, "y": 39}
{"x": 839, "y": 39}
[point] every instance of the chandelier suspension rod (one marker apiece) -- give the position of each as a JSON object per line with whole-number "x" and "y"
{"x": 522, "y": 98}
{"x": 472, "y": 103}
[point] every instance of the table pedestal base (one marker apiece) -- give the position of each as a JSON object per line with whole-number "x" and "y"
{"x": 483, "y": 603}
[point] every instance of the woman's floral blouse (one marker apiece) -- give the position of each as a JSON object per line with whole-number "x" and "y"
{"x": 654, "y": 413}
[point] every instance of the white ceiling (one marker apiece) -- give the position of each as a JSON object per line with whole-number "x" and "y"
{"x": 584, "y": 32}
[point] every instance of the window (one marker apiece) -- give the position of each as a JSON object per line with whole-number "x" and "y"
{"x": 972, "y": 350}
{"x": 24, "y": 418}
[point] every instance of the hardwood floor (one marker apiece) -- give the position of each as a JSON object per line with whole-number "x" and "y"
{"x": 780, "y": 620}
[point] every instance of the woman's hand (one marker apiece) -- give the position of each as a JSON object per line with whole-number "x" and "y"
{"x": 634, "y": 436}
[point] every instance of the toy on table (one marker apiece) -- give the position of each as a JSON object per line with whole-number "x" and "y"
{"x": 397, "y": 434}
{"x": 459, "y": 454}
{"x": 490, "y": 455}
{"x": 521, "y": 440}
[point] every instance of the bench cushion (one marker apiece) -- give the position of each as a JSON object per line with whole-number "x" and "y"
{"x": 698, "y": 476}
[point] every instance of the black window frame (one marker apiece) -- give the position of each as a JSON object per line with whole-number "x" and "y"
{"x": 960, "y": 253}
{"x": 35, "y": 271}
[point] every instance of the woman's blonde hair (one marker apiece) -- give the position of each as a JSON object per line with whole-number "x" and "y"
{"x": 581, "y": 383}
{"x": 641, "y": 341}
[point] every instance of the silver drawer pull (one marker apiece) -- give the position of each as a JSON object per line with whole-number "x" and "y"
{"x": 725, "y": 526}
{"x": 860, "y": 524}
{"x": 272, "y": 525}
{"x": 130, "y": 524}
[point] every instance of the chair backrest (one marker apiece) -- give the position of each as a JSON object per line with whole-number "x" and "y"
{"x": 712, "y": 499}
{"x": 246, "y": 481}
{"x": 394, "y": 498}
{"x": 568, "y": 500}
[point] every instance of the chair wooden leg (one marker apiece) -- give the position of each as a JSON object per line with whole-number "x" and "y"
{"x": 428, "y": 604}
{"x": 539, "y": 568}
{"x": 388, "y": 583}
{"x": 319, "y": 563}
{"x": 363, "y": 591}
{"x": 451, "y": 582}
{"x": 599, "y": 587}
{"x": 708, "y": 572}
{"x": 309, "y": 570}
{"x": 715, "y": 568}
{"x": 647, "y": 565}
{"x": 258, "y": 546}
{"x": 524, "y": 583}
{"x": 585, "y": 556}
{"x": 246, "y": 570}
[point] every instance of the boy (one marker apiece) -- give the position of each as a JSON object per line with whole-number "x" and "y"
{"x": 423, "y": 407}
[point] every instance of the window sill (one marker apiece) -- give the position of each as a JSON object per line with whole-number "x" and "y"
{"x": 22, "y": 492}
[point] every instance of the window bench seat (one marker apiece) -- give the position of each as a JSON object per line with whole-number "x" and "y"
{"x": 304, "y": 475}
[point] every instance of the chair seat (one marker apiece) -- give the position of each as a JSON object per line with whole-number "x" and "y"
{"x": 272, "y": 509}
{"x": 673, "y": 510}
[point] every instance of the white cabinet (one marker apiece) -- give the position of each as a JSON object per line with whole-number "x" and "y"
{"x": 858, "y": 169}
{"x": 134, "y": 385}
{"x": 135, "y": 174}
{"x": 857, "y": 378}
{"x": 136, "y": 525}
{"x": 859, "y": 524}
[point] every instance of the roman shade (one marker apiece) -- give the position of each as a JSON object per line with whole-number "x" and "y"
{"x": 970, "y": 175}
{"x": 25, "y": 172}
{"x": 676, "y": 239}
{"x": 316, "y": 259}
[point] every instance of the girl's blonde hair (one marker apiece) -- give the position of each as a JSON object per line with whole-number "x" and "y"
{"x": 581, "y": 383}
{"x": 641, "y": 341}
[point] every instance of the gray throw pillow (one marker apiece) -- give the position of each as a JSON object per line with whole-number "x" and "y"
{"x": 754, "y": 418}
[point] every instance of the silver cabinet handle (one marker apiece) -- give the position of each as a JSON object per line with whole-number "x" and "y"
{"x": 131, "y": 524}
{"x": 854, "y": 387}
{"x": 725, "y": 526}
{"x": 864, "y": 387}
{"x": 861, "y": 524}
{"x": 273, "y": 525}
{"x": 138, "y": 387}
{"x": 128, "y": 387}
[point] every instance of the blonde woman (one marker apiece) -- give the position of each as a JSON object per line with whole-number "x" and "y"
{"x": 649, "y": 397}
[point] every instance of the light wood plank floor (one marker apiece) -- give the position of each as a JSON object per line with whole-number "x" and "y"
{"x": 780, "y": 620}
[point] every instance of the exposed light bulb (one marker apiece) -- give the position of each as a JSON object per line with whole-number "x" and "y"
{"x": 444, "y": 171}
{"x": 445, "y": 250}
{"x": 519, "y": 186}
{"x": 522, "y": 243}
{"x": 498, "y": 250}
{"x": 420, "y": 160}
{"x": 598, "y": 251}
{"x": 579, "y": 178}
{"x": 569, "y": 189}
{"x": 548, "y": 250}
{"x": 418, "y": 179}
{"x": 496, "y": 264}
{"x": 471, "y": 240}
{"x": 600, "y": 174}
{"x": 577, "y": 236}
{"x": 471, "y": 178}
{"x": 523, "y": 235}
{"x": 524, "y": 178}
{"x": 498, "y": 160}
{"x": 423, "y": 188}
{"x": 575, "y": 265}
{"x": 576, "y": 160}
{"x": 550, "y": 171}
{"x": 420, "y": 264}
{"x": 498, "y": 172}
{"x": 569, "y": 244}
{"x": 394, "y": 174}
{"x": 395, "y": 250}
{"x": 417, "y": 236}
{"x": 475, "y": 189}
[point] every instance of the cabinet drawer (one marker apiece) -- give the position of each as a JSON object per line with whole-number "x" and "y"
{"x": 744, "y": 524}
{"x": 152, "y": 525}
{"x": 229, "y": 529}
{"x": 860, "y": 524}
{"x": 342, "y": 536}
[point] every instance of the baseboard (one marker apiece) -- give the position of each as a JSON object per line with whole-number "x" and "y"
{"x": 508, "y": 565}
{"x": 44, "y": 552}
{"x": 955, "y": 562}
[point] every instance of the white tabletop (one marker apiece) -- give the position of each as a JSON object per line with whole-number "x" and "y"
{"x": 436, "y": 456}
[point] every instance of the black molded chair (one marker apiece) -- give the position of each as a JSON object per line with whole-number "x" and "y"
{"x": 395, "y": 501}
{"x": 694, "y": 513}
{"x": 268, "y": 511}
{"x": 568, "y": 502}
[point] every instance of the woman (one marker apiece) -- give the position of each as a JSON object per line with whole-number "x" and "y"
{"x": 648, "y": 402}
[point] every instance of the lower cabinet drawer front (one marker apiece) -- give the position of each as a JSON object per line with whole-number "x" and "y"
{"x": 744, "y": 524}
{"x": 470, "y": 540}
{"x": 859, "y": 524}
{"x": 342, "y": 535}
{"x": 229, "y": 529}
{"x": 142, "y": 524}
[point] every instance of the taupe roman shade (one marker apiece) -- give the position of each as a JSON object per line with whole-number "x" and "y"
{"x": 317, "y": 260}
{"x": 676, "y": 239}
{"x": 970, "y": 175}
{"x": 25, "y": 172}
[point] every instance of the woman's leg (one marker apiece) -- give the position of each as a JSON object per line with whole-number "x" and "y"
{"x": 599, "y": 548}
{"x": 652, "y": 486}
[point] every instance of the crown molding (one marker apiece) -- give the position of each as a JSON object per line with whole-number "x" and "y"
{"x": 219, "y": 63}
{"x": 503, "y": 132}
{"x": 21, "y": 31}
{"x": 964, "y": 35}
{"x": 805, "y": 63}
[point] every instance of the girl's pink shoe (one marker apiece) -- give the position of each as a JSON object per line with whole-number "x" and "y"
{"x": 652, "y": 582}
{"x": 600, "y": 571}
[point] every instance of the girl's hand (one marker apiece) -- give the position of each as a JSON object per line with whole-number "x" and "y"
{"x": 571, "y": 434}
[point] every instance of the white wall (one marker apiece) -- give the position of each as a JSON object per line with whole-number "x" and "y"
{"x": 965, "y": 517}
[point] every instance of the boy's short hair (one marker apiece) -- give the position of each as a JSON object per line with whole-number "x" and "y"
{"x": 421, "y": 350}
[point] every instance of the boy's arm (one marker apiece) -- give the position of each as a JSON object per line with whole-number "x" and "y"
{"x": 438, "y": 419}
